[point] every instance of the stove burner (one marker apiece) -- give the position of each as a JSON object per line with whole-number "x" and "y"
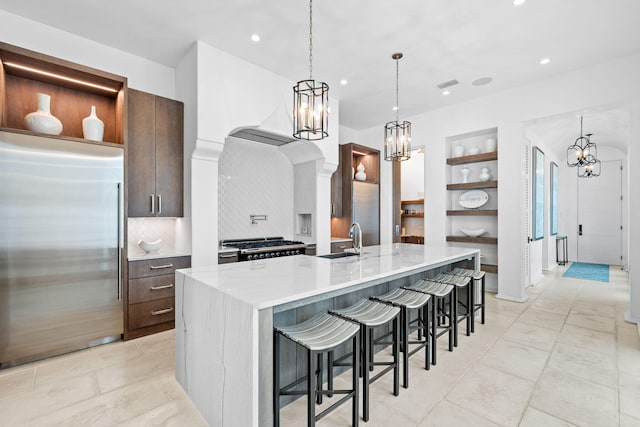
{"x": 269, "y": 247}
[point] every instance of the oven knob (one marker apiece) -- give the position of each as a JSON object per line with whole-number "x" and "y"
{"x": 267, "y": 255}
{"x": 261, "y": 256}
{"x": 277, "y": 254}
{"x": 298, "y": 252}
{"x": 273, "y": 254}
{"x": 288, "y": 252}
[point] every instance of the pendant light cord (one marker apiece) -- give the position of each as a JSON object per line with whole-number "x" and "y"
{"x": 397, "y": 91}
{"x": 310, "y": 39}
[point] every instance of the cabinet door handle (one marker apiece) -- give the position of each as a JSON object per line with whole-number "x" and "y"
{"x": 160, "y": 267}
{"x": 163, "y": 311}
{"x": 153, "y": 204}
{"x": 159, "y": 204}
{"x": 157, "y": 288}
{"x": 227, "y": 255}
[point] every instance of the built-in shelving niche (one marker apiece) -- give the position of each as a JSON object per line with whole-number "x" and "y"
{"x": 483, "y": 217}
{"x": 73, "y": 89}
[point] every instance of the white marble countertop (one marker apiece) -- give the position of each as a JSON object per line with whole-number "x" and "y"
{"x": 140, "y": 255}
{"x": 273, "y": 282}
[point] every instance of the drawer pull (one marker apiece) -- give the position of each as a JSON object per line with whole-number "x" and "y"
{"x": 160, "y": 267}
{"x": 227, "y": 255}
{"x": 157, "y": 288}
{"x": 164, "y": 311}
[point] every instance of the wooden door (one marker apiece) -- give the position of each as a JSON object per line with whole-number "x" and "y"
{"x": 169, "y": 156}
{"x": 141, "y": 154}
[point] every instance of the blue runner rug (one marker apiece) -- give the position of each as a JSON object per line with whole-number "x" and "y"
{"x": 583, "y": 270}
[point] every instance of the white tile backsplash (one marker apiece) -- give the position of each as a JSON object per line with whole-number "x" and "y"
{"x": 255, "y": 179}
{"x": 150, "y": 229}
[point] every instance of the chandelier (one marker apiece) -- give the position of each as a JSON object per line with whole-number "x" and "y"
{"x": 397, "y": 134}
{"x": 583, "y": 152}
{"x": 310, "y": 100}
{"x": 591, "y": 170}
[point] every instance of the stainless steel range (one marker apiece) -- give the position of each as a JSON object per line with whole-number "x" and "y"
{"x": 267, "y": 247}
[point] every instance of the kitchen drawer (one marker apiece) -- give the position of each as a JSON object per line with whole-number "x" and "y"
{"x": 151, "y": 288}
{"x": 157, "y": 267}
{"x": 151, "y": 313}
{"x": 340, "y": 246}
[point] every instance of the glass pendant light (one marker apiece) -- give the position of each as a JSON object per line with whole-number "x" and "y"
{"x": 590, "y": 170}
{"x": 310, "y": 100}
{"x": 583, "y": 152}
{"x": 397, "y": 134}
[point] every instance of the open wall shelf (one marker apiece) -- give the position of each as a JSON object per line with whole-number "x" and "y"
{"x": 473, "y": 185}
{"x": 468, "y": 239}
{"x": 473, "y": 158}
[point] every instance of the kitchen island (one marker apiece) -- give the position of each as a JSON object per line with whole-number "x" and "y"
{"x": 225, "y": 316}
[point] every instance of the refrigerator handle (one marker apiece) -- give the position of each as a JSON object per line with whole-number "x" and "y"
{"x": 118, "y": 250}
{"x": 153, "y": 203}
{"x": 159, "y": 204}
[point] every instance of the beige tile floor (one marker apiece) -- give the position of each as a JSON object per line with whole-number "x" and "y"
{"x": 565, "y": 357}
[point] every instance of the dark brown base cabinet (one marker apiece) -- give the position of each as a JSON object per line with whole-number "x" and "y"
{"x": 155, "y": 156}
{"x": 151, "y": 295}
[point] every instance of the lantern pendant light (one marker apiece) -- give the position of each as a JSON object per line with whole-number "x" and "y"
{"x": 590, "y": 170}
{"x": 583, "y": 152}
{"x": 397, "y": 134}
{"x": 310, "y": 100}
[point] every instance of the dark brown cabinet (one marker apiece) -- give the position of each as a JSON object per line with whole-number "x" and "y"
{"x": 155, "y": 155}
{"x": 151, "y": 295}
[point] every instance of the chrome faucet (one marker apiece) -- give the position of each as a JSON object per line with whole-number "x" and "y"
{"x": 355, "y": 232}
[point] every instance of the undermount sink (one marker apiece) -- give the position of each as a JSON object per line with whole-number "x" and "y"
{"x": 337, "y": 255}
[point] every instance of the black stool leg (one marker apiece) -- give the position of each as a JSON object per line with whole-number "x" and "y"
{"x": 371, "y": 366}
{"x": 472, "y": 303}
{"x": 355, "y": 415}
{"x": 311, "y": 389}
{"x": 469, "y": 311}
{"x": 404, "y": 318}
{"x": 482, "y": 300}
{"x": 425, "y": 325}
{"x": 434, "y": 329}
{"x": 396, "y": 356}
{"x": 320, "y": 381}
{"x": 366, "y": 342}
{"x": 330, "y": 372}
{"x": 453, "y": 312}
{"x": 276, "y": 380}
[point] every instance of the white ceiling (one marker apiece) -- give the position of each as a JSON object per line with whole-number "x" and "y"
{"x": 354, "y": 40}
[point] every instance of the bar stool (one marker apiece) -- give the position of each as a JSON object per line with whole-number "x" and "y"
{"x": 369, "y": 315}
{"x": 318, "y": 335}
{"x": 410, "y": 300}
{"x": 478, "y": 277}
{"x": 442, "y": 294}
{"x": 460, "y": 282}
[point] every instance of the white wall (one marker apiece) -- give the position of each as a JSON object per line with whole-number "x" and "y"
{"x": 141, "y": 73}
{"x": 598, "y": 85}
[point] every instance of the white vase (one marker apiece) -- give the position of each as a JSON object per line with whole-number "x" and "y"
{"x": 465, "y": 174}
{"x": 458, "y": 151}
{"x": 360, "y": 175}
{"x": 41, "y": 120}
{"x": 484, "y": 174}
{"x": 490, "y": 145}
{"x": 92, "y": 126}
{"x": 474, "y": 150}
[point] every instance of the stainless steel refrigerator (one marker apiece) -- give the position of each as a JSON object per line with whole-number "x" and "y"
{"x": 366, "y": 211}
{"x": 60, "y": 246}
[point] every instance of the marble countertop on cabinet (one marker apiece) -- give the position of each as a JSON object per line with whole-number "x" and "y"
{"x": 272, "y": 282}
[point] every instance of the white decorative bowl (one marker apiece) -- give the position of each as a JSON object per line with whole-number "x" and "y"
{"x": 150, "y": 247}
{"x": 473, "y": 232}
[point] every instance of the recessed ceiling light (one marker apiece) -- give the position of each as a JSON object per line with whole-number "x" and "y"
{"x": 482, "y": 81}
{"x": 518, "y": 2}
{"x": 544, "y": 61}
{"x": 343, "y": 82}
{"x": 446, "y": 92}
{"x": 255, "y": 37}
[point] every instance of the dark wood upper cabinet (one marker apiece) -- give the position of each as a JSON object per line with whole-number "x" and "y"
{"x": 155, "y": 156}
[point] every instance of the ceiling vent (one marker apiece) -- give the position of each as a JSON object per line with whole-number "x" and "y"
{"x": 262, "y": 136}
{"x": 447, "y": 84}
